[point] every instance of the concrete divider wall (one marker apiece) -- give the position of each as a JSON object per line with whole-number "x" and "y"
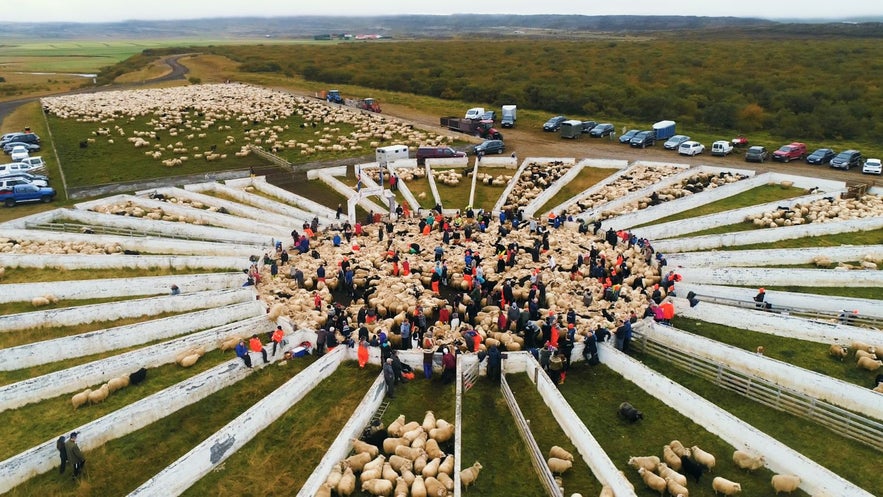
{"x": 303, "y": 203}
{"x": 430, "y": 177}
{"x": 452, "y": 162}
{"x": 779, "y": 324}
{"x": 342, "y": 445}
{"x": 169, "y": 228}
{"x": 93, "y": 435}
{"x": 403, "y": 187}
{"x": 189, "y": 468}
{"x": 501, "y": 201}
{"x": 732, "y": 216}
{"x": 70, "y": 316}
{"x": 821, "y": 303}
{"x": 212, "y": 219}
{"x": 815, "y": 479}
{"x": 743, "y": 276}
{"x": 499, "y": 161}
{"x": 119, "y": 287}
{"x": 279, "y": 212}
{"x": 73, "y": 262}
{"x": 766, "y": 235}
{"x": 676, "y": 206}
{"x": 840, "y": 393}
{"x": 593, "y": 454}
{"x": 326, "y": 171}
{"x": 779, "y": 257}
{"x": 38, "y": 218}
{"x": 77, "y": 378}
{"x": 343, "y": 189}
{"x": 623, "y": 167}
{"x": 531, "y": 209}
{"x": 150, "y": 245}
{"x": 95, "y": 342}
{"x": 810, "y": 182}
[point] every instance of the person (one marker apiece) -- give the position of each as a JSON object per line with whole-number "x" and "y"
{"x": 255, "y": 345}
{"x": 556, "y": 367}
{"x": 759, "y": 298}
{"x": 74, "y": 455}
{"x": 449, "y": 365}
{"x": 624, "y": 335}
{"x": 242, "y": 353}
{"x": 494, "y": 362}
{"x": 339, "y": 211}
{"x": 397, "y": 368}
{"x": 590, "y": 349}
{"x": 363, "y": 353}
{"x": 62, "y": 453}
{"x": 405, "y": 330}
{"x": 428, "y": 354}
{"x": 389, "y": 378}
{"x": 175, "y": 290}
{"x": 277, "y": 337}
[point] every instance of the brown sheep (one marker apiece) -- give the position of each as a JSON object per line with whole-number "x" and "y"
{"x": 838, "y": 351}
{"x": 559, "y": 466}
{"x": 861, "y": 353}
{"x": 377, "y": 487}
{"x": 648, "y": 462}
{"x": 670, "y": 458}
{"x": 347, "y": 484}
{"x": 702, "y": 457}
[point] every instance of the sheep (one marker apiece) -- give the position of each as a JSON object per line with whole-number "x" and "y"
{"x": 398, "y": 462}
{"x": 389, "y": 474}
{"x": 411, "y": 453}
{"x": 401, "y": 488}
{"x": 652, "y": 480}
{"x": 839, "y": 351}
{"x": 98, "y": 396}
{"x": 628, "y": 412}
{"x": 81, "y": 398}
{"x": 869, "y": 364}
{"x": 785, "y": 483}
{"x": 431, "y": 468}
{"x": 334, "y": 477}
{"x": 606, "y": 491}
{"x": 670, "y": 458}
{"x": 390, "y": 444}
{"x": 648, "y": 462}
{"x": 117, "y": 383}
{"x": 861, "y": 353}
{"x": 360, "y": 446}
{"x": 664, "y": 471}
{"x": 418, "y": 488}
{"x": 395, "y": 428}
{"x": 470, "y": 474}
{"x": 702, "y": 457}
{"x": 347, "y": 484}
{"x": 39, "y": 301}
{"x": 377, "y": 487}
{"x": 747, "y": 461}
{"x": 879, "y": 387}
{"x": 358, "y": 461}
{"x": 724, "y": 486}
{"x": 324, "y": 490}
{"x": 434, "y": 487}
{"x": 442, "y": 435}
{"x": 856, "y": 345}
{"x": 559, "y": 465}
{"x": 446, "y": 467}
{"x": 692, "y": 468}
{"x": 371, "y": 474}
{"x": 560, "y": 453}
{"x": 428, "y": 421}
{"x": 138, "y": 376}
{"x": 676, "y": 488}
{"x": 376, "y": 463}
{"x": 189, "y": 360}
{"x": 678, "y": 448}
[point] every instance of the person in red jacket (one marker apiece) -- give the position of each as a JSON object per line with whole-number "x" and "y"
{"x": 449, "y": 363}
{"x": 255, "y": 345}
{"x": 277, "y": 337}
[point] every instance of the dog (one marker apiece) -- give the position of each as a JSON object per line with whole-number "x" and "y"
{"x": 629, "y": 413}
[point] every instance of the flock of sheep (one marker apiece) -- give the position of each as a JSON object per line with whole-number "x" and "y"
{"x": 865, "y": 358}
{"x": 639, "y": 177}
{"x": 535, "y": 178}
{"x": 405, "y": 459}
{"x": 181, "y": 118}
{"x": 824, "y": 210}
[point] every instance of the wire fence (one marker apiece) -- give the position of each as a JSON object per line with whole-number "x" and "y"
{"x": 847, "y": 318}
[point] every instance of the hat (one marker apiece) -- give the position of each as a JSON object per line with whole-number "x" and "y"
{"x": 74, "y": 434}
{"x": 331, "y": 328}
{"x": 570, "y": 325}
{"x": 761, "y": 290}
{"x": 389, "y": 361}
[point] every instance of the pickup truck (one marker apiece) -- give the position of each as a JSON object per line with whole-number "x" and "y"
{"x": 26, "y": 193}
{"x": 792, "y": 151}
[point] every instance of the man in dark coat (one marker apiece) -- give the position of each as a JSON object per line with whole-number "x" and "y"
{"x": 389, "y": 378}
{"x": 494, "y": 363}
{"x": 74, "y": 455}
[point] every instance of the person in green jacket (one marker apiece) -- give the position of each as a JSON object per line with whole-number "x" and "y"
{"x": 74, "y": 455}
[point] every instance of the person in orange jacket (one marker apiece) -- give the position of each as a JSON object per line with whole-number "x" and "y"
{"x": 255, "y": 345}
{"x": 277, "y": 337}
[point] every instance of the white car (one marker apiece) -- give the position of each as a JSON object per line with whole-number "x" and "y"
{"x": 691, "y": 148}
{"x": 721, "y": 148}
{"x": 19, "y": 153}
{"x": 872, "y": 166}
{"x": 675, "y": 141}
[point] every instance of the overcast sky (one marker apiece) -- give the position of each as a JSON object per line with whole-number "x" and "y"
{"x": 119, "y": 10}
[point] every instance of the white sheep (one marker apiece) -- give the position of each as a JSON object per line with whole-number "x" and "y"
{"x": 652, "y": 480}
{"x": 838, "y": 350}
{"x": 560, "y": 453}
{"x": 747, "y": 461}
{"x": 861, "y": 353}
{"x": 670, "y": 458}
{"x": 189, "y": 360}
{"x": 434, "y": 487}
{"x": 347, "y": 484}
{"x": 678, "y": 448}
{"x": 869, "y": 364}
{"x": 358, "y": 461}
{"x": 324, "y": 490}
{"x": 676, "y": 488}
{"x": 377, "y": 487}
{"x": 666, "y": 472}
{"x": 418, "y": 488}
{"x": 360, "y": 446}
{"x": 702, "y": 457}
{"x": 648, "y": 462}
{"x": 117, "y": 383}
{"x": 401, "y": 489}
{"x": 856, "y": 345}
{"x": 431, "y": 468}
{"x": 39, "y": 301}
{"x": 98, "y": 396}
{"x": 785, "y": 483}
{"x": 81, "y": 398}
{"x": 470, "y": 474}
{"x": 428, "y": 421}
{"x": 559, "y": 466}
{"x": 724, "y": 486}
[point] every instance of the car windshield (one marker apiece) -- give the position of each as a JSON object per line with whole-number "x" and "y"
{"x": 844, "y": 155}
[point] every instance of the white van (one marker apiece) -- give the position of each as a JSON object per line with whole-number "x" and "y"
{"x": 475, "y": 113}
{"x": 385, "y": 155}
{"x": 721, "y": 148}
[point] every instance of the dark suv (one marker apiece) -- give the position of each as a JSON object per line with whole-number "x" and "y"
{"x": 29, "y": 138}
{"x": 554, "y": 124}
{"x": 847, "y": 160}
{"x": 756, "y": 153}
{"x": 643, "y": 139}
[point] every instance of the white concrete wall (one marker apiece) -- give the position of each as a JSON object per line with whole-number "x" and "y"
{"x": 452, "y": 162}
{"x": 342, "y": 445}
{"x": 189, "y": 468}
{"x": 766, "y": 235}
{"x": 119, "y": 287}
{"x": 499, "y": 161}
{"x": 286, "y": 197}
{"x": 72, "y": 262}
{"x": 38, "y": 218}
{"x": 593, "y": 454}
{"x": 93, "y": 435}
{"x": 567, "y": 161}
{"x": 623, "y": 167}
{"x": 810, "y": 182}
{"x": 821, "y": 303}
{"x": 150, "y": 245}
{"x": 430, "y": 177}
{"x": 531, "y": 209}
{"x": 92, "y": 374}
{"x": 95, "y": 342}
{"x": 733, "y": 216}
{"x": 743, "y": 276}
{"x": 815, "y": 478}
{"x": 343, "y": 189}
{"x": 846, "y": 395}
{"x": 682, "y": 204}
{"x": 172, "y": 229}
{"x": 70, "y": 316}
{"x": 403, "y": 186}
{"x": 779, "y": 257}
{"x": 778, "y": 324}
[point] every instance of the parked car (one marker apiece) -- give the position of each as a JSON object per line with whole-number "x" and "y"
{"x": 554, "y": 124}
{"x": 588, "y": 126}
{"x": 643, "y": 139}
{"x": 721, "y": 148}
{"x": 602, "y": 130}
{"x": 18, "y": 153}
{"x": 847, "y": 159}
{"x": 19, "y": 167}
{"x": 628, "y": 135}
{"x": 792, "y": 151}
{"x": 820, "y": 156}
{"x": 489, "y": 147}
{"x": 675, "y": 141}
{"x": 756, "y": 153}
{"x": 424, "y": 153}
{"x": 20, "y": 137}
{"x": 31, "y": 147}
{"x": 474, "y": 113}
{"x": 26, "y": 193}
{"x": 872, "y": 166}
{"x": 22, "y": 178}
{"x": 691, "y": 148}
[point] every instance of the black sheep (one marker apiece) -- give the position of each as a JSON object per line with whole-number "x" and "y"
{"x": 878, "y": 380}
{"x": 692, "y": 468}
{"x": 629, "y": 412}
{"x": 138, "y": 376}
